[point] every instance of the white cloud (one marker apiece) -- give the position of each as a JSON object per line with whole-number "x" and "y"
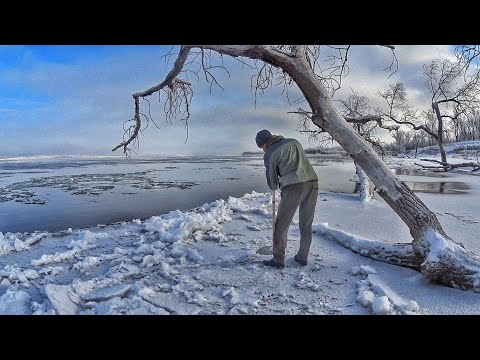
{"x": 90, "y": 100}
{"x": 423, "y": 54}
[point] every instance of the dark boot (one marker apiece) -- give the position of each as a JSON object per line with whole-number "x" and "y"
{"x": 273, "y": 263}
{"x": 301, "y": 262}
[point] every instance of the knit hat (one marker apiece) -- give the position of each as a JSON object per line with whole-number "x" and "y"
{"x": 262, "y": 137}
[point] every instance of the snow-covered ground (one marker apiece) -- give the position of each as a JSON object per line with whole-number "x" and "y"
{"x": 204, "y": 261}
{"x": 461, "y": 152}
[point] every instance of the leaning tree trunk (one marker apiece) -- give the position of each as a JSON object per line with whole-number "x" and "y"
{"x": 440, "y": 132}
{"x": 441, "y": 259}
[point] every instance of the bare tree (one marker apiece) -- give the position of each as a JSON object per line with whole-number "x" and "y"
{"x": 401, "y": 112}
{"x": 432, "y": 251}
{"x": 453, "y": 90}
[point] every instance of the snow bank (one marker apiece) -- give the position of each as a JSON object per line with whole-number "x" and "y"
{"x": 203, "y": 224}
{"x": 237, "y": 205}
{"x": 86, "y": 240}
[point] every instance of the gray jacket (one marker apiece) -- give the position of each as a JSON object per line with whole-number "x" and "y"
{"x": 286, "y": 163}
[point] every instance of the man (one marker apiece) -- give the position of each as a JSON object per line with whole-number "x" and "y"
{"x": 288, "y": 167}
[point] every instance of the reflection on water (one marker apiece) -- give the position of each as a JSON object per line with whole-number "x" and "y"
{"x": 444, "y": 187}
{"x": 414, "y": 172}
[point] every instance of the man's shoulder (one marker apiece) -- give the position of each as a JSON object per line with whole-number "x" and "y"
{"x": 288, "y": 141}
{"x": 292, "y": 141}
{"x": 284, "y": 143}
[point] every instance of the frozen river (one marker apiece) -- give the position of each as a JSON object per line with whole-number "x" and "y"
{"x": 74, "y": 192}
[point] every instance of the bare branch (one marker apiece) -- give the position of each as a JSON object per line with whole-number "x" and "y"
{"x": 367, "y": 118}
{"x": 138, "y": 125}
{"x": 468, "y": 55}
{"x": 177, "y": 67}
{"x": 444, "y": 166}
{"x": 415, "y": 127}
{"x": 169, "y": 81}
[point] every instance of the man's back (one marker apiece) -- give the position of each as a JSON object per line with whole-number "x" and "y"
{"x": 288, "y": 167}
{"x": 286, "y": 163}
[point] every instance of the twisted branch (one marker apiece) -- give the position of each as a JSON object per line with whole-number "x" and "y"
{"x": 270, "y": 62}
{"x": 170, "y": 81}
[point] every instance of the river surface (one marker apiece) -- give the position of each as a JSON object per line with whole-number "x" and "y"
{"x": 58, "y": 193}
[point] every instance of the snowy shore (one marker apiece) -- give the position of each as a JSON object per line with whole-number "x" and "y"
{"x": 203, "y": 261}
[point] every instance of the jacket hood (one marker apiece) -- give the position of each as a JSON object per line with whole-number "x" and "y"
{"x": 274, "y": 139}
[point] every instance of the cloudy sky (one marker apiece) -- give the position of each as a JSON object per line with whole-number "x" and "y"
{"x": 72, "y": 100}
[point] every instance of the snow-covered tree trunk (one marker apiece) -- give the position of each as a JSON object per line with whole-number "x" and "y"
{"x": 441, "y": 259}
{"x": 367, "y": 189}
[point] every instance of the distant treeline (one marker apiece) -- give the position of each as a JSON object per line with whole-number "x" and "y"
{"x": 464, "y": 128}
{"x": 325, "y": 150}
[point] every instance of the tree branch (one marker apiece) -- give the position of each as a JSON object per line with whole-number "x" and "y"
{"x": 449, "y": 100}
{"x": 367, "y": 118}
{"x": 353, "y": 119}
{"x": 415, "y": 127}
{"x": 169, "y": 81}
{"x": 177, "y": 68}
{"x": 261, "y": 52}
{"x": 138, "y": 126}
{"x": 448, "y": 167}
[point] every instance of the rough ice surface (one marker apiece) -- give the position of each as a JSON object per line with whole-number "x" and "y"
{"x": 103, "y": 294}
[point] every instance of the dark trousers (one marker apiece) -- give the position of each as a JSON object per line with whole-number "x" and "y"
{"x": 302, "y": 196}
